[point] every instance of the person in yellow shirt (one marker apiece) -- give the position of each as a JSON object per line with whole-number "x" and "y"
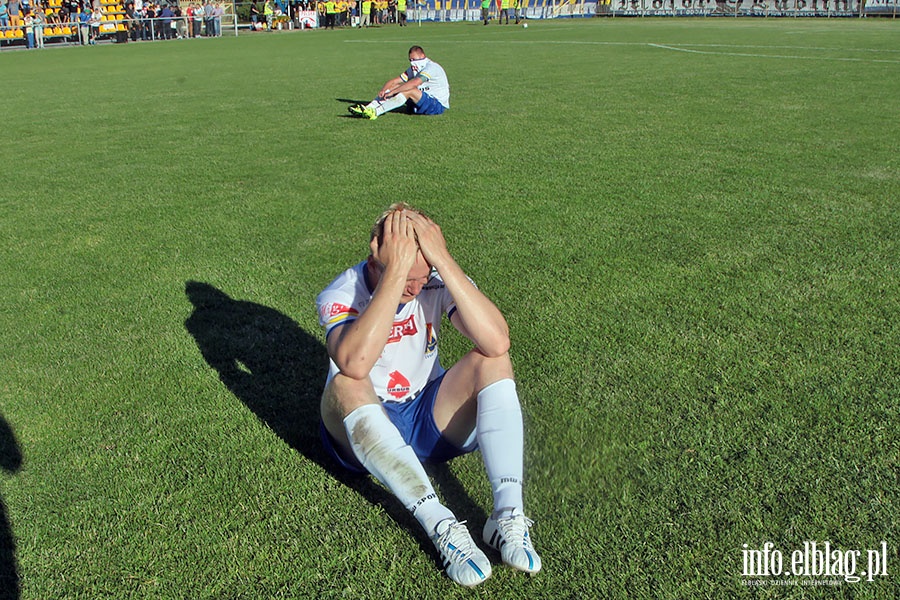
{"x": 330, "y": 13}
{"x": 519, "y": 11}
{"x": 401, "y": 12}
{"x": 505, "y": 5}
{"x": 366, "y": 13}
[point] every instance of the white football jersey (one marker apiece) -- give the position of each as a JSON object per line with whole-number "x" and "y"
{"x": 434, "y": 81}
{"x": 410, "y": 357}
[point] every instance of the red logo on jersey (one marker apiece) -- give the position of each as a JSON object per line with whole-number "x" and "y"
{"x": 337, "y": 308}
{"x": 398, "y": 385}
{"x": 405, "y": 327}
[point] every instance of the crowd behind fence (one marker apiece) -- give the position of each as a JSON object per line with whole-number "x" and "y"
{"x": 36, "y": 23}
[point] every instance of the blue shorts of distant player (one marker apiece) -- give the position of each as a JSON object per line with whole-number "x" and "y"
{"x": 415, "y": 420}
{"x": 427, "y": 105}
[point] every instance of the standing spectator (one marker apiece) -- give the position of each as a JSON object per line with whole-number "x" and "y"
{"x": 29, "y": 30}
{"x": 4, "y": 15}
{"x": 268, "y": 13}
{"x": 505, "y": 5}
{"x": 254, "y": 15}
{"x": 151, "y": 27}
{"x": 131, "y": 21}
{"x": 198, "y": 20}
{"x": 485, "y": 9}
{"x": 218, "y": 13}
{"x": 401, "y": 12}
{"x": 13, "y": 8}
{"x": 84, "y": 26}
{"x": 40, "y": 19}
{"x": 519, "y": 14}
{"x": 366, "y": 13}
{"x": 74, "y": 10}
{"x": 95, "y": 18}
{"x": 179, "y": 20}
{"x": 209, "y": 27}
{"x": 330, "y": 13}
{"x": 165, "y": 24}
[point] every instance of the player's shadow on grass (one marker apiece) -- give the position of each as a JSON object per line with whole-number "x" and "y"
{"x": 10, "y": 461}
{"x": 278, "y": 371}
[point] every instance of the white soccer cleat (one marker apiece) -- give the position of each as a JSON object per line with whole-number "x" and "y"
{"x": 510, "y": 536}
{"x": 464, "y": 563}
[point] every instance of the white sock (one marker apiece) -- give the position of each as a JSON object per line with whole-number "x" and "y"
{"x": 381, "y": 449}
{"x": 501, "y": 440}
{"x": 383, "y": 106}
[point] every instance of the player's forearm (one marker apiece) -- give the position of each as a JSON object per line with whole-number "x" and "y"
{"x": 478, "y": 318}
{"x": 392, "y": 84}
{"x": 361, "y": 342}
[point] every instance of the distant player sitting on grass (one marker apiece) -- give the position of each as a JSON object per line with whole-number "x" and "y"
{"x": 389, "y": 404}
{"x": 423, "y": 88}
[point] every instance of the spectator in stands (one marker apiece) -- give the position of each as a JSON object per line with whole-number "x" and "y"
{"x": 505, "y": 5}
{"x": 209, "y": 27}
{"x": 254, "y": 15}
{"x": 130, "y": 20}
{"x": 165, "y": 23}
{"x": 84, "y": 26}
{"x": 197, "y": 20}
{"x": 13, "y": 8}
{"x": 4, "y": 16}
{"x": 151, "y": 25}
{"x": 365, "y": 20}
{"x": 330, "y": 13}
{"x": 40, "y": 19}
{"x": 180, "y": 22}
{"x": 218, "y": 13}
{"x": 95, "y": 19}
{"x": 269, "y": 14}
{"x": 29, "y": 30}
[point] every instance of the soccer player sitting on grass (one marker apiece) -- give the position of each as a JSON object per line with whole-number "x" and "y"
{"x": 423, "y": 88}
{"x": 389, "y": 405}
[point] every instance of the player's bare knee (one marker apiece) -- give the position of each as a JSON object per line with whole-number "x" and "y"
{"x": 343, "y": 395}
{"x": 489, "y": 369}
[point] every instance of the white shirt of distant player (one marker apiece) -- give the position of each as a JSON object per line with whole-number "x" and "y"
{"x": 410, "y": 357}
{"x": 434, "y": 79}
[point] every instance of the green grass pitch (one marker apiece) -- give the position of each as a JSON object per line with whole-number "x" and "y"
{"x": 690, "y": 225}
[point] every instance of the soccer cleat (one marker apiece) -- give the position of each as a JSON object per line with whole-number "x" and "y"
{"x": 464, "y": 563}
{"x": 510, "y": 536}
{"x": 369, "y": 113}
{"x": 357, "y": 110}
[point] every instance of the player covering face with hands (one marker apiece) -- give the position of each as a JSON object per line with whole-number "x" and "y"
{"x": 389, "y": 405}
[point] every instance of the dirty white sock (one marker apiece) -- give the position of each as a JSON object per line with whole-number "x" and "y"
{"x": 381, "y": 449}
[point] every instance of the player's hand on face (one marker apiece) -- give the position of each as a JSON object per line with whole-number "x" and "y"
{"x": 398, "y": 247}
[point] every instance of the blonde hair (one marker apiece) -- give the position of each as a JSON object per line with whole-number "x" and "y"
{"x": 378, "y": 227}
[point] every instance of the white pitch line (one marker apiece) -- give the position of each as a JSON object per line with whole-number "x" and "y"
{"x": 785, "y": 56}
{"x": 688, "y": 50}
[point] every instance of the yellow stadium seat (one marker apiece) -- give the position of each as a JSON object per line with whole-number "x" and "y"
{"x": 67, "y": 30}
